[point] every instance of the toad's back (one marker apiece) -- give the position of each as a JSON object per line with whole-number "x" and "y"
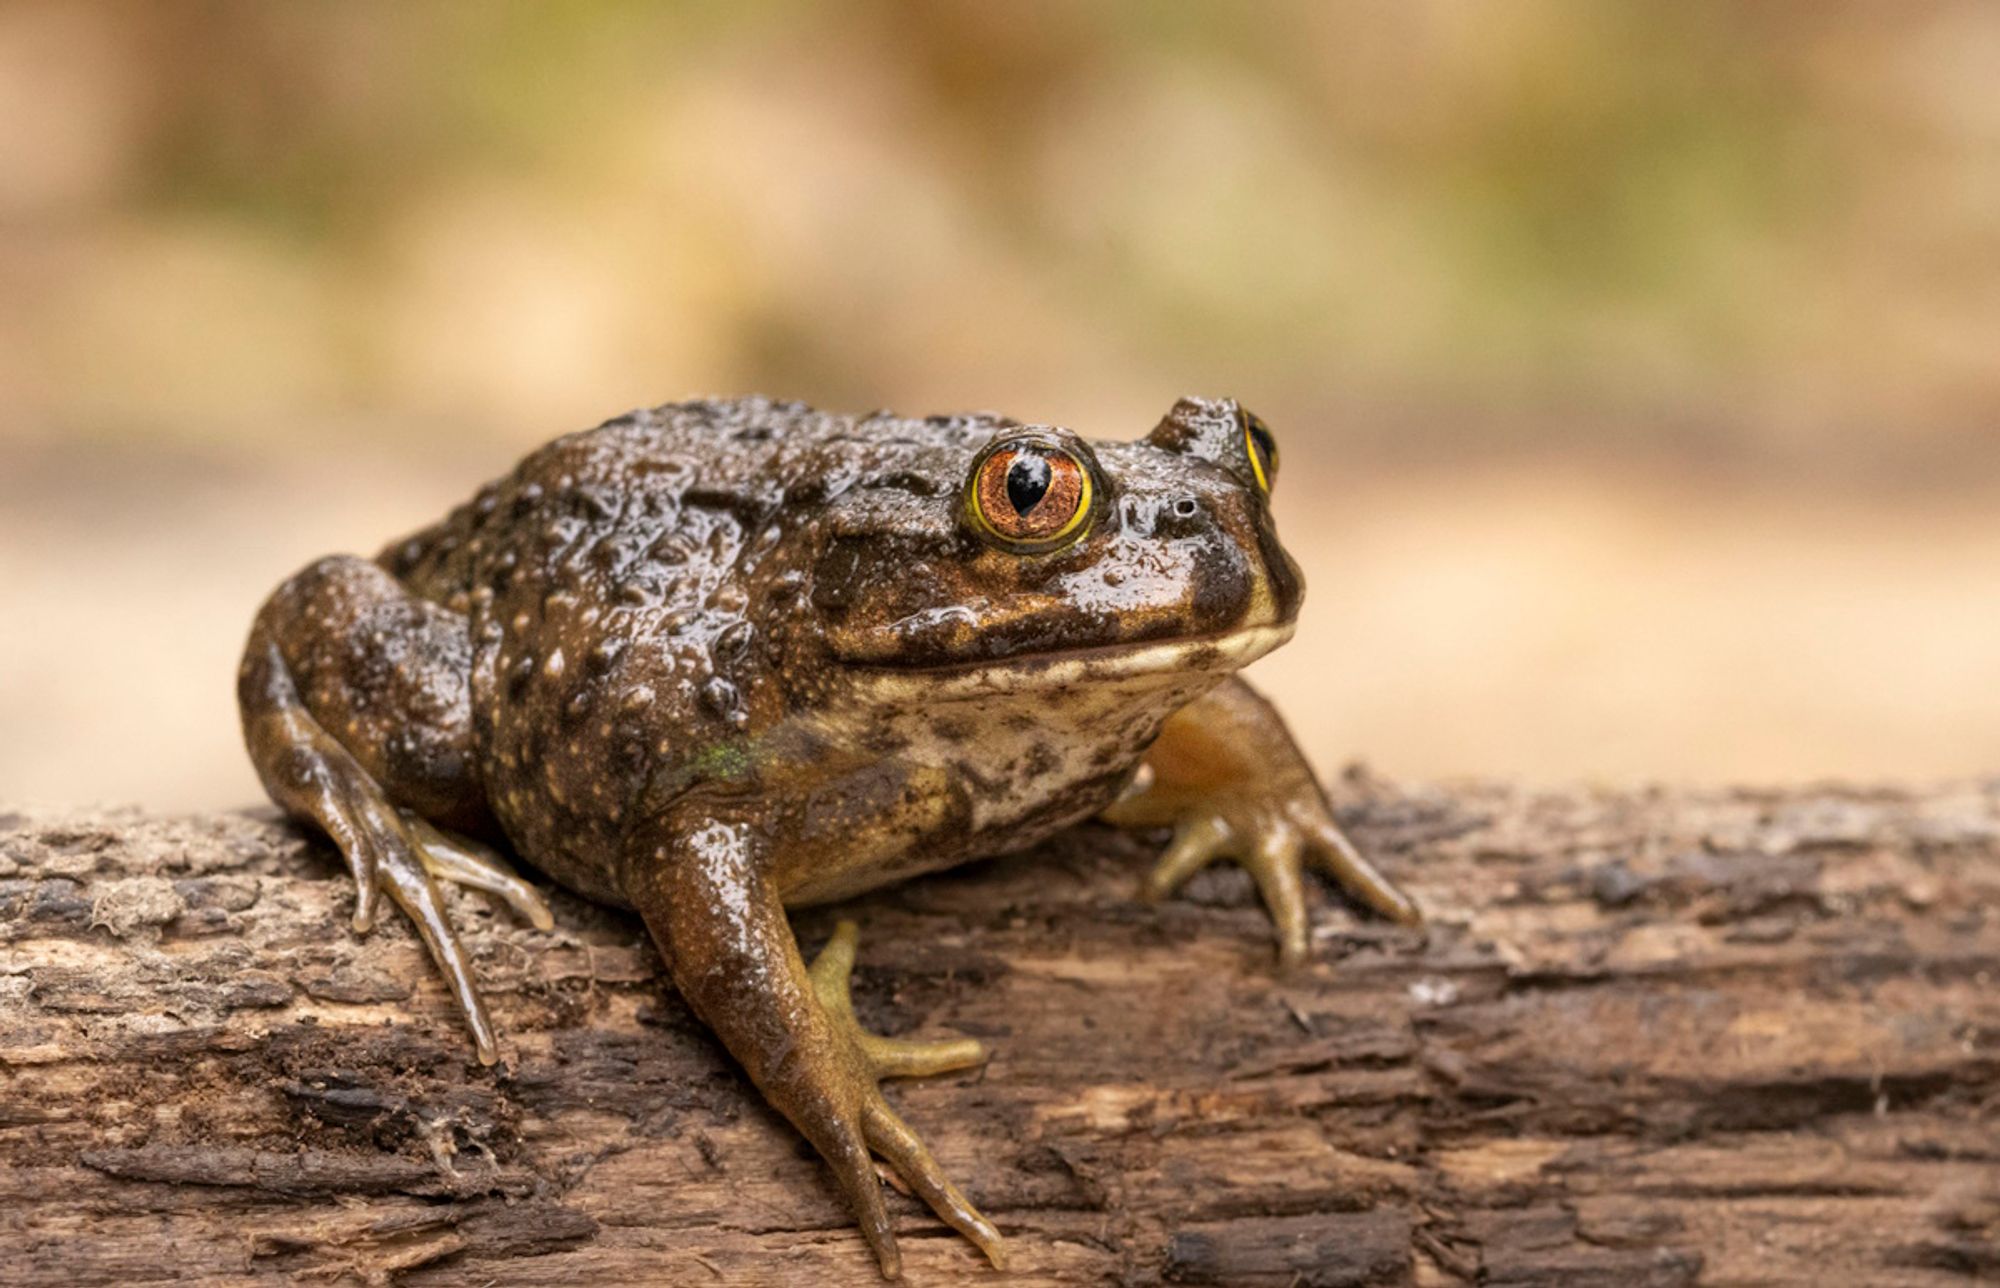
{"x": 633, "y": 598}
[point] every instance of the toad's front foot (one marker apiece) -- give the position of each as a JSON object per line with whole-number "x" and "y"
{"x": 877, "y": 1057}
{"x": 1273, "y": 840}
{"x": 1226, "y": 776}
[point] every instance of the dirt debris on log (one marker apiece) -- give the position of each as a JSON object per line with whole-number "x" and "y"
{"x": 1654, "y": 1038}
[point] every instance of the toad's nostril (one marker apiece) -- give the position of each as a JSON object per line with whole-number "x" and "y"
{"x": 1183, "y": 516}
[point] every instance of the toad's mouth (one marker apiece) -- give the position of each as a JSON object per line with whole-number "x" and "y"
{"x": 1079, "y": 668}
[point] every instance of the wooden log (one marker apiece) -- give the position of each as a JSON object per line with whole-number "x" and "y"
{"x": 1732, "y": 1037}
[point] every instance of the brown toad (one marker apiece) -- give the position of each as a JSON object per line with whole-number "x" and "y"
{"x": 716, "y": 659}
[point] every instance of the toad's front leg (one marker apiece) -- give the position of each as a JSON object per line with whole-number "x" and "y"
{"x": 703, "y": 891}
{"x": 1226, "y": 775}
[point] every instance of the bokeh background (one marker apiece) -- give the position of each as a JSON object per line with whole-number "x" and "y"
{"x": 1637, "y": 364}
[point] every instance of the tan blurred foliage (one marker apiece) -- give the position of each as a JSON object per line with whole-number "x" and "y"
{"x": 1639, "y": 363}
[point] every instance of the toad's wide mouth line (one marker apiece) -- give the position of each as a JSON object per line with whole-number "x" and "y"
{"x": 1196, "y": 654}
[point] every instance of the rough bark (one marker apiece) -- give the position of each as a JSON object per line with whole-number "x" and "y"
{"x": 1719, "y": 1038}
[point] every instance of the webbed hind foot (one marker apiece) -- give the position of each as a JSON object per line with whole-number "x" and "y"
{"x": 410, "y": 871}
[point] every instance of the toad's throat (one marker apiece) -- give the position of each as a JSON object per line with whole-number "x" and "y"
{"x": 1107, "y": 664}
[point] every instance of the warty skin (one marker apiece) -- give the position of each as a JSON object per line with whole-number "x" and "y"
{"x": 715, "y": 659}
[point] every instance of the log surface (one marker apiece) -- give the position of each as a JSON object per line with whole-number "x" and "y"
{"x": 1646, "y": 1039}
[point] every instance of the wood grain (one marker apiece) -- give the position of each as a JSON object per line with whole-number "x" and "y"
{"x": 1660, "y": 1038}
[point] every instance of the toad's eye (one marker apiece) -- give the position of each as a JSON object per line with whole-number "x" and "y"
{"x": 1263, "y": 449}
{"x": 1030, "y": 495}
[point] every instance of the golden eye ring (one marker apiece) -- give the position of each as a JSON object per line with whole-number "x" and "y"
{"x": 1262, "y": 447}
{"x": 1030, "y": 494}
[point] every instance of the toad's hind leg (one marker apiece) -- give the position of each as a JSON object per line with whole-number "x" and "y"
{"x": 342, "y": 646}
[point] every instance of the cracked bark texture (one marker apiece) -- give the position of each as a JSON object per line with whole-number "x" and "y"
{"x": 1660, "y": 1038}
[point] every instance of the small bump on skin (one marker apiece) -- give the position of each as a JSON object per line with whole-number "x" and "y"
{"x": 719, "y": 695}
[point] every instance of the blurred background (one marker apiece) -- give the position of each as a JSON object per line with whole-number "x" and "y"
{"x": 1637, "y": 365}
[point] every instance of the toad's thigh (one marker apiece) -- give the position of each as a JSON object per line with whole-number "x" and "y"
{"x": 387, "y": 674}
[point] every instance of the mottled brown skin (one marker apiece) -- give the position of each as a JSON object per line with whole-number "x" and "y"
{"x": 714, "y": 659}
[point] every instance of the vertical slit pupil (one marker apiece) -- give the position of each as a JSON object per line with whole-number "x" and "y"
{"x": 1027, "y": 482}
